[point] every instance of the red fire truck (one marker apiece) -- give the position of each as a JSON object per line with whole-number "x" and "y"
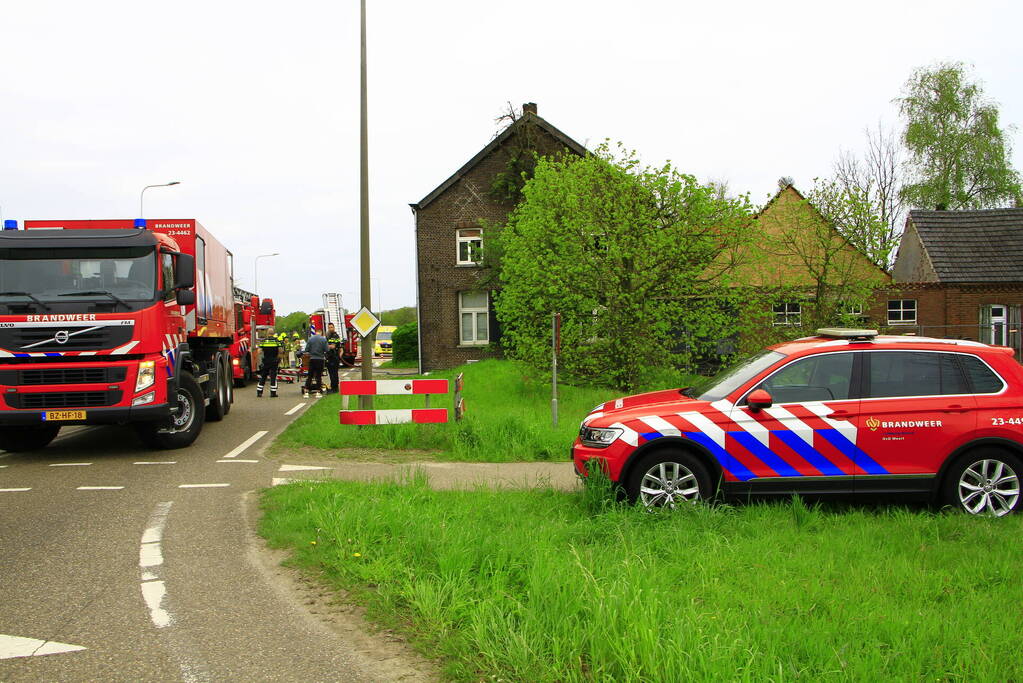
{"x": 250, "y": 317}
{"x": 113, "y": 322}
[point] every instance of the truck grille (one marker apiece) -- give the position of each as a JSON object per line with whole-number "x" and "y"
{"x": 17, "y": 338}
{"x": 45, "y": 376}
{"x": 63, "y": 399}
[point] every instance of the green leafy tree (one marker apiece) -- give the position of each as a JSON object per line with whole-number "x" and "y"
{"x": 636, "y": 260}
{"x": 399, "y": 316}
{"x": 959, "y": 156}
{"x": 406, "y": 344}
{"x": 292, "y": 322}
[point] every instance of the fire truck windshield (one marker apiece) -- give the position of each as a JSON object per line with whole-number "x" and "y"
{"x": 94, "y": 278}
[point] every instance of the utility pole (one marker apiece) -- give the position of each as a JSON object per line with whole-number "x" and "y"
{"x": 368, "y": 343}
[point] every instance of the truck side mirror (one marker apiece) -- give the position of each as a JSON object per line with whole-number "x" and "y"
{"x": 185, "y": 297}
{"x": 184, "y": 271}
{"x": 758, "y": 400}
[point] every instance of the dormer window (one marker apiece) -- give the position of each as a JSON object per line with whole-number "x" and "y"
{"x": 470, "y": 245}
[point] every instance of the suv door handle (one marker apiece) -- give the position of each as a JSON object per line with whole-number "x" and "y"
{"x": 843, "y": 413}
{"x": 955, "y": 408}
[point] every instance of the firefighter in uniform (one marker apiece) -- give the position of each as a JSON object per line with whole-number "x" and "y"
{"x": 270, "y": 348}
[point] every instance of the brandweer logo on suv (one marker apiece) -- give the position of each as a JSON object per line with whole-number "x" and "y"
{"x": 843, "y": 412}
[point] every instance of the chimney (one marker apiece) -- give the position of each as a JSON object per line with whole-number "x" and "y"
{"x": 529, "y": 108}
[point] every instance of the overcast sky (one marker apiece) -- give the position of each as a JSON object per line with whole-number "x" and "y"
{"x": 254, "y": 106}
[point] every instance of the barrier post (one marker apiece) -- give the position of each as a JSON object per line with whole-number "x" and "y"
{"x": 393, "y": 387}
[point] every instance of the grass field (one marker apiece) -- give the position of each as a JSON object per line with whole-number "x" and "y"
{"x": 508, "y": 418}
{"x": 546, "y": 586}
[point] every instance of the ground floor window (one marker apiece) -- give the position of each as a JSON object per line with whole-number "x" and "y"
{"x": 994, "y": 320}
{"x": 902, "y": 311}
{"x": 474, "y": 317}
{"x": 787, "y": 313}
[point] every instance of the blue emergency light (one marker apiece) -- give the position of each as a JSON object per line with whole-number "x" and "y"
{"x": 10, "y": 224}
{"x": 140, "y": 222}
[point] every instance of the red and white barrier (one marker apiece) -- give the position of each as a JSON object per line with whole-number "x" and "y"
{"x": 377, "y": 387}
{"x": 393, "y": 417}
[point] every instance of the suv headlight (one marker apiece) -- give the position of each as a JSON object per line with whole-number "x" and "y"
{"x": 598, "y": 437}
{"x": 146, "y": 376}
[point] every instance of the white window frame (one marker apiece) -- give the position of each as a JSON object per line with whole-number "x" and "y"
{"x": 475, "y": 312}
{"x": 902, "y": 310}
{"x": 996, "y": 325}
{"x": 791, "y": 313}
{"x": 468, "y": 239}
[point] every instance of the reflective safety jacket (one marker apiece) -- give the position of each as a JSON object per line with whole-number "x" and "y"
{"x": 270, "y": 347}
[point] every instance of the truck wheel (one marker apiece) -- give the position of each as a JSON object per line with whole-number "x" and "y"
{"x": 32, "y": 438}
{"x": 218, "y": 399}
{"x": 184, "y": 425}
{"x": 228, "y": 384}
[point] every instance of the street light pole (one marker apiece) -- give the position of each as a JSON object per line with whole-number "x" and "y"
{"x": 368, "y": 342}
{"x": 143, "y": 192}
{"x": 255, "y": 270}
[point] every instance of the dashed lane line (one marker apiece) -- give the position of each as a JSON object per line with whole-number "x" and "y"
{"x": 202, "y": 486}
{"x": 245, "y": 444}
{"x": 297, "y": 408}
{"x": 29, "y": 488}
{"x": 70, "y": 464}
{"x": 156, "y": 462}
{"x": 100, "y": 488}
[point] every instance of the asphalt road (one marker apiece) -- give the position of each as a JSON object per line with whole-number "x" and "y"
{"x": 143, "y": 560}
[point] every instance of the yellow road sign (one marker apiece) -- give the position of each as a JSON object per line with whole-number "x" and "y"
{"x": 364, "y": 321}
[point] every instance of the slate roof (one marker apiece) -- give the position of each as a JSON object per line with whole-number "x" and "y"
{"x": 973, "y": 246}
{"x": 527, "y": 116}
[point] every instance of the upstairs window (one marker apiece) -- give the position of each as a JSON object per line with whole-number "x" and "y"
{"x": 470, "y": 245}
{"x": 902, "y": 311}
{"x": 787, "y": 313}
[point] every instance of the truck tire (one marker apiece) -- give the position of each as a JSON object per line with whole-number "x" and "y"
{"x": 32, "y": 438}
{"x": 184, "y": 426}
{"x": 215, "y": 411}
{"x": 225, "y": 360}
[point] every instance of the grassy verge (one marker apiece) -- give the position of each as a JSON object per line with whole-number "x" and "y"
{"x": 546, "y": 586}
{"x": 388, "y": 364}
{"x": 508, "y": 419}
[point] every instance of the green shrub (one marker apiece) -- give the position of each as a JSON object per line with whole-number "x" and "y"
{"x": 406, "y": 344}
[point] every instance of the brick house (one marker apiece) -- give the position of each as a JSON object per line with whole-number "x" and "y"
{"x": 958, "y": 274}
{"x": 456, "y": 316}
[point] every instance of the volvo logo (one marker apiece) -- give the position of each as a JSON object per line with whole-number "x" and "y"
{"x": 61, "y": 337}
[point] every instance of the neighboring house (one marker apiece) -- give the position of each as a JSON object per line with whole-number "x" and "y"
{"x": 456, "y": 315}
{"x": 958, "y": 274}
{"x": 803, "y": 257}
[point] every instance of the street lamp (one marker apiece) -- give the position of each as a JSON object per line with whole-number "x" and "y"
{"x": 255, "y": 270}
{"x": 143, "y": 192}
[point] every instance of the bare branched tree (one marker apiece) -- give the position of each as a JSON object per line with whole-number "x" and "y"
{"x": 877, "y": 180}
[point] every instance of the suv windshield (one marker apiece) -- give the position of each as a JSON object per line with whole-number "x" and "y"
{"x": 108, "y": 276}
{"x": 731, "y": 378}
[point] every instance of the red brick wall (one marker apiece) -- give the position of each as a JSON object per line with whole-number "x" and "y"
{"x": 944, "y": 310}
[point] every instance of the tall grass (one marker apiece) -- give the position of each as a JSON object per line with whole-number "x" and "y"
{"x": 508, "y": 418}
{"x": 545, "y": 586}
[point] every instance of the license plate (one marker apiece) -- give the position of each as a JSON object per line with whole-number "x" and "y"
{"x": 62, "y": 415}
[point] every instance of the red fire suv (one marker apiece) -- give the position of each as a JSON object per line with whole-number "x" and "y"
{"x": 847, "y": 411}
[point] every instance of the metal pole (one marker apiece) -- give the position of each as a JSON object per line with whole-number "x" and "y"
{"x": 554, "y": 370}
{"x": 255, "y": 270}
{"x": 368, "y": 342}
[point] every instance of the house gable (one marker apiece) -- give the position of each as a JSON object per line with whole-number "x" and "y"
{"x": 965, "y": 246}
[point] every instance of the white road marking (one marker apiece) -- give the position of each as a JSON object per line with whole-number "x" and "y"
{"x": 15, "y": 490}
{"x": 15, "y": 646}
{"x": 69, "y": 464}
{"x": 154, "y": 530}
{"x": 153, "y": 592}
{"x": 156, "y": 462}
{"x": 202, "y": 486}
{"x": 3, "y": 466}
{"x": 248, "y": 442}
{"x": 277, "y": 481}
{"x": 238, "y": 460}
{"x": 297, "y": 408}
{"x": 150, "y": 555}
{"x": 301, "y": 468}
{"x": 100, "y": 488}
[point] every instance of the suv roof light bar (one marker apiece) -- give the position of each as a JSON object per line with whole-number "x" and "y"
{"x": 849, "y": 333}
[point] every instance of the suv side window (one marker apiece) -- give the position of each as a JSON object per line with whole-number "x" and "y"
{"x": 825, "y": 377}
{"x": 983, "y": 378}
{"x": 913, "y": 373}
